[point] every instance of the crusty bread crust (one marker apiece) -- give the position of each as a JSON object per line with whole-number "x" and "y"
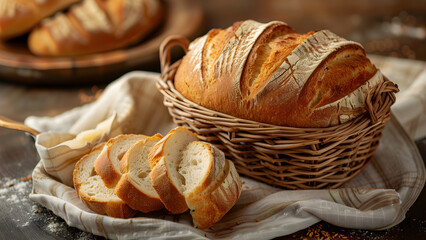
{"x": 78, "y": 166}
{"x": 96, "y": 26}
{"x": 105, "y": 169}
{"x": 19, "y": 16}
{"x": 271, "y": 74}
{"x": 118, "y": 209}
{"x": 169, "y": 194}
{"x": 219, "y": 164}
{"x": 209, "y": 208}
{"x": 136, "y": 199}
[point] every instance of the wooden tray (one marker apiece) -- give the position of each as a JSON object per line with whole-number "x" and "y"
{"x": 17, "y": 64}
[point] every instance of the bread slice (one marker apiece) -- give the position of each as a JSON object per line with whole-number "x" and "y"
{"x": 164, "y": 159}
{"x": 202, "y": 167}
{"x": 209, "y": 207}
{"x": 212, "y": 185}
{"x": 107, "y": 165}
{"x": 93, "y": 192}
{"x": 195, "y": 175}
{"x": 135, "y": 186}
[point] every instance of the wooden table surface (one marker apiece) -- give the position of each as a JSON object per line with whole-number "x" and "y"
{"x": 20, "y": 218}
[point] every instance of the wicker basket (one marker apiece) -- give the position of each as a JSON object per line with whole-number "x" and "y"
{"x": 289, "y": 157}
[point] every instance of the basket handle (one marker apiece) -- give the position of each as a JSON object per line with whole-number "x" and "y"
{"x": 168, "y": 70}
{"x": 11, "y": 124}
{"x": 380, "y": 99}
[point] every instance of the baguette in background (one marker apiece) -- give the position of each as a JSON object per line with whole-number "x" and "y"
{"x": 95, "y": 26}
{"x": 17, "y": 17}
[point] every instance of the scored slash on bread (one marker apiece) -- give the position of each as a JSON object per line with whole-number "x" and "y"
{"x": 271, "y": 74}
{"x": 107, "y": 165}
{"x": 135, "y": 186}
{"x": 92, "y": 191}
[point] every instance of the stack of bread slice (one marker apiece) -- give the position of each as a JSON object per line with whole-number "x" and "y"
{"x": 132, "y": 173}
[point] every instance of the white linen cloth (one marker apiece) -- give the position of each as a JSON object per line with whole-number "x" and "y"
{"x": 377, "y": 198}
{"x": 410, "y": 107}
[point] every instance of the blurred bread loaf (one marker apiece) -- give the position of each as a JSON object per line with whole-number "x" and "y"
{"x": 19, "y": 16}
{"x": 269, "y": 73}
{"x": 95, "y": 26}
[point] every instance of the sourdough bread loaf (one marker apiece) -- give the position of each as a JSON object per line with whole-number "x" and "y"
{"x": 271, "y": 74}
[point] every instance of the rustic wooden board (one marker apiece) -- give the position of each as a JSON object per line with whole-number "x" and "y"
{"x": 17, "y": 64}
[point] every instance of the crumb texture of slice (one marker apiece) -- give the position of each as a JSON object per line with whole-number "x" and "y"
{"x": 107, "y": 165}
{"x": 202, "y": 181}
{"x": 212, "y": 185}
{"x": 84, "y": 167}
{"x": 201, "y": 167}
{"x": 196, "y": 162}
{"x": 92, "y": 190}
{"x": 103, "y": 200}
{"x": 165, "y": 158}
{"x": 209, "y": 208}
{"x": 135, "y": 186}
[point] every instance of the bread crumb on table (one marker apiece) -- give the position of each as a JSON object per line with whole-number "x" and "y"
{"x": 24, "y": 179}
